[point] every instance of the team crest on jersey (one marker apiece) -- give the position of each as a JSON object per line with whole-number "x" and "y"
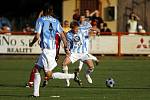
{"x": 76, "y": 39}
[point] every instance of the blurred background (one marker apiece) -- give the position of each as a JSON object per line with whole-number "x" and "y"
{"x": 114, "y": 12}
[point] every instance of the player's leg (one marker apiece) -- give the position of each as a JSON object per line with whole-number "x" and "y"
{"x": 37, "y": 81}
{"x": 89, "y": 70}
{"x": 72, "y": 58}
{"x": 93, "y": 58}
{"x": 31, "y": 79}
{"x": 59, "y": 75}
{"x": 75, "y": 76}
{"x": 66, "y": 62}
{"x": 57, "y": 40}
{"x": 80, "y": 65}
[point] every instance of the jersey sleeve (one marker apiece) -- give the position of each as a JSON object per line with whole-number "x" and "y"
{"x": 59, "y": 28}
{"x": 38, "y": 26}
{"x": 69, "y": 40}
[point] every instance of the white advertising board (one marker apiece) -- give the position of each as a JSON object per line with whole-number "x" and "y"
{"x": 136, "y": 44}
{"x": 17, "y": 44}
{"x": 104, "y": 45}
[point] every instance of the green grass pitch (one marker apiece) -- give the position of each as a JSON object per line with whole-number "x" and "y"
{"x": 131, "y": 74}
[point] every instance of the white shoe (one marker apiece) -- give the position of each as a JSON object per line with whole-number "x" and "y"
{"x": 67, "y": 82}
{"x": 88, "y": 78}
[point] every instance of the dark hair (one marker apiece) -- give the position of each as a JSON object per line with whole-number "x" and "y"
{"x": 74, "y": 24}
{"x": 130, "y": 16}
{"x": 94, "y": 22}
{"x": 104, "y": 24}
{"x": 48, "y": 10}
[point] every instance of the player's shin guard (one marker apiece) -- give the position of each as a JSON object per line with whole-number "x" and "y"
{"x": 37, "y": 81}
{"x": 65, "y": 70}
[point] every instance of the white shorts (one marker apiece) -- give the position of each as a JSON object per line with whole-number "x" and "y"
{"x": 78, "y": 56}
{"x": 47, "y": 60}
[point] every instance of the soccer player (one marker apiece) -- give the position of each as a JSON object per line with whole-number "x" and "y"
{"x": 57, "y": 41}
{"x": 84, "y": 28}
{"x": 78, "y": 49}
{"x": 46, "y": 28}
{"x": 31, "y": 79}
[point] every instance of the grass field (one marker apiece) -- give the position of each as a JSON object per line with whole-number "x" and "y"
{"x": 131, "y": 74}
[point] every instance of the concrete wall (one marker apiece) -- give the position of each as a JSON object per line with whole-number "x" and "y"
{"x": 68, "y": 8}
{"x": 106, "y": 3}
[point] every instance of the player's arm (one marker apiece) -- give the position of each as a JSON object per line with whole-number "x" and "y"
{"x": 63, "y": 37}
{"x": 38, "y": 29}
{"x": 36, "y": 37}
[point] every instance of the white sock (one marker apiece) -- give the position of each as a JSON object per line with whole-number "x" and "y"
{"x": 92, "y": 57}
{"x": 65, "y": 69}
{"x": 80, "y": 65}
{"x": 58, "y": 75}
{"x": 37, "y": 81}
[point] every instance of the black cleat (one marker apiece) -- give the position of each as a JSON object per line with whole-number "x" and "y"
{"x": 33, "y": 96}
{"x": 77, "y": 70}
{"x": 77, "y": 79}
{"x": 45, "y": 83}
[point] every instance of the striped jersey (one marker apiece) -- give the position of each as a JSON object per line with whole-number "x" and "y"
{"x": 47, "y": 27}
{"x": 84, "y": 29}
{"x": 76, "y": 42}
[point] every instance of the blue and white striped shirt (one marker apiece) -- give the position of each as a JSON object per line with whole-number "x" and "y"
{"x": 47, "y": 27}
{"x": 84, "y": 29}
{"x": 76, "y": 42}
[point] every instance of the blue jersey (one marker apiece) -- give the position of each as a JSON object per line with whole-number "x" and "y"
{"x": 47, "y": 27}
{"x": 76, "y": 42}
{"x": 84, "y": 29}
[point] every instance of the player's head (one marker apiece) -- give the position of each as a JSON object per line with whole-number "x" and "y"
{"x": 66, "y": 23}
{"x": 48, "y": 10}
{"x": 82, "y": 18}
{"x": 87, "y": 12}
{"x": 74, "y": 26}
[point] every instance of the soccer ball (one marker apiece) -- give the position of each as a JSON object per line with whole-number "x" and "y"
{"x": 110, "y": 82}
